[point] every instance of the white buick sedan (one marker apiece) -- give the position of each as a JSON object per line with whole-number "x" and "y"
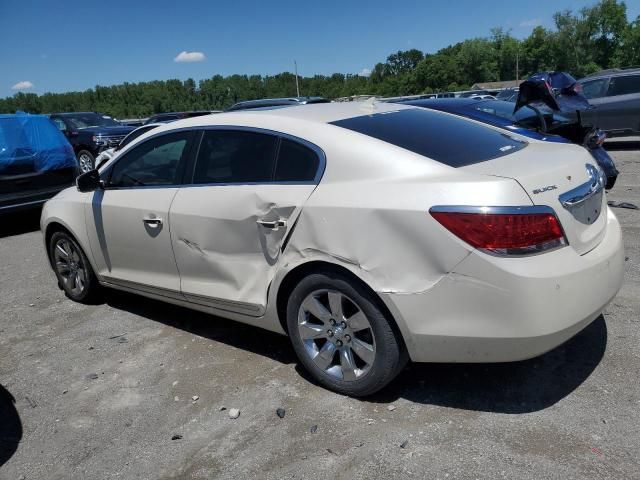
{"x": 370, "y": 234}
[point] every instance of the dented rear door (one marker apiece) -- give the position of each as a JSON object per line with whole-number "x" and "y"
{"x": 229, "y": 228}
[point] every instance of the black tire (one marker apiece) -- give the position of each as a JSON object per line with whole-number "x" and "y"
{"x": 86, "y": 159}
{"x": 91, "y": 291}
{"x": 389, "y": 355}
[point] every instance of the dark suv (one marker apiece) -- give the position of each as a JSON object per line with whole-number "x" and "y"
{"x": 90, "y": 133}
{"x": 616, "y": 95}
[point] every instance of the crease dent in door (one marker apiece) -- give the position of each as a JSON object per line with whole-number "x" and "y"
{"x": 390, "y": 260}
{"x": 234, "y": 254}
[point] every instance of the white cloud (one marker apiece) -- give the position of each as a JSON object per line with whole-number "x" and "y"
{"x": 189, "y": 57}
{"x": 24, "y": 85}
{"x": 534, "y": 22}
{"x": 365, "y": 72}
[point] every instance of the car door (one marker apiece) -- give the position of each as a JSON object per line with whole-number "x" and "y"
{"x": 620, "y": 109}
{"x": 595, "y": 90}
{"x": 229, "y": 226}
{"x": 127, "y": 221}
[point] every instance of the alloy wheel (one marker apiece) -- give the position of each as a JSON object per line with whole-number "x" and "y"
{"x": 86, "y": 164}
{"x": 336, "y": 334}
{"x": 70, "y": 266}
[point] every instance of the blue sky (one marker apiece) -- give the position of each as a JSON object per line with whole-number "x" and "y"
{"x": 75, "y": 45}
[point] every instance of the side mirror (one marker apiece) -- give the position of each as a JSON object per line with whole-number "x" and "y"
{"x": 89, "y": 181}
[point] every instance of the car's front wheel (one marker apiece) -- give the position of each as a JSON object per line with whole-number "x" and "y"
{"x": 342, "y": 336}
{"x": 73, "y": 270}
{"x": 86, "y": 161}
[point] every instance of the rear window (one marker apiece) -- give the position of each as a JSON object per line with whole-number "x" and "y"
{"x": 444, "y": 138}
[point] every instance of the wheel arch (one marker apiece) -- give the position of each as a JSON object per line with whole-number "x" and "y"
{"x": 294, "y": 276}
{"x": 51, "y": 228}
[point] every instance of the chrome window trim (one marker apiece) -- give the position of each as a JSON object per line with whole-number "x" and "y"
{"x": 199, "y": 129}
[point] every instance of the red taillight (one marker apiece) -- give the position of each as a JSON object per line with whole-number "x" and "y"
{"x": 518, "y": 233}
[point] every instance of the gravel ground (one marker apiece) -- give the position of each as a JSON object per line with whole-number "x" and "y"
{"x": 107, "y": 391}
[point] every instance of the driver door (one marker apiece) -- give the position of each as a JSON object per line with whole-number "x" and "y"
{"x": 127, "y": 221}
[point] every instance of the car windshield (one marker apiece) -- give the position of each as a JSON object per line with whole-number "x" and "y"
{"x": 86, "y": 120}
{"x": 527, "y": 116}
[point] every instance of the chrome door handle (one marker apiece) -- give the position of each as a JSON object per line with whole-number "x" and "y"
{"x": 272, "y": 224}
{"x": 152, "y": 221}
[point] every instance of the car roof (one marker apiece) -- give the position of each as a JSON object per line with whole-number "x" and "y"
{"x": 287, "y": 120}
{"x": 613, "y": 72}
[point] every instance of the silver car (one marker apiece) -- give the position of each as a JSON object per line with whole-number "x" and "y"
{"x": 616, "y": 95}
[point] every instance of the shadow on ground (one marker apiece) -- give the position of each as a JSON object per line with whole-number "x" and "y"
{"x": 17, "y": 223}
{"x": 10, "y": 426}
{"x": 239, "y": 335}
{"x": 621, "y": 145}
{"x": 518, "y": 387}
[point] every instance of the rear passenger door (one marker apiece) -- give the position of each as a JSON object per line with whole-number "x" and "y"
{"x": 620, "y": 109}
{"x": 228, "y": 227}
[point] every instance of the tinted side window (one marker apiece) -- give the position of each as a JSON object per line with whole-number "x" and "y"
{"x": 229, "y": 156}
{"x": 133, "y": 135}
{"x": 624, "y": 85}
{"x": 594, "y": 88}
{"x": 155, "y": 162}
{"x": 296, "y": 163}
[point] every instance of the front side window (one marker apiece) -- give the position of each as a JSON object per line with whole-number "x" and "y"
{"x": 155, "y": 162}
{"x": 133, "y": 135}
{"x": 624, "y": 85}
{"x": 60, "y": 124}
{"x": 595, "y": 88}
{"x": 231, "y": 156}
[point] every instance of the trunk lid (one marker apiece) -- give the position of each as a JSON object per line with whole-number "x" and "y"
{"x": 563, "y": 177}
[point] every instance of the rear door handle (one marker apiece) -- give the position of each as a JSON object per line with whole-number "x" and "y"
{"x": 272, "y": 224}
{"x": 152, "y": 221}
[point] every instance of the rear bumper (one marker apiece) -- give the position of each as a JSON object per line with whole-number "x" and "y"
{"x": 492, "y": 309}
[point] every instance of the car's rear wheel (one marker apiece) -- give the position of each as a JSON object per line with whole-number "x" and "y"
{"x": 86, "y": 161}
{"x": 73, "y": 270}
{"x": 342, "y": 336}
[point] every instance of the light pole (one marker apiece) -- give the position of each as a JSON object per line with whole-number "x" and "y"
{"x": 295, "y": 65}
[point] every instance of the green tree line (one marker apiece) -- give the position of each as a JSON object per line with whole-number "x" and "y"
{"x": 595, "y": 38}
